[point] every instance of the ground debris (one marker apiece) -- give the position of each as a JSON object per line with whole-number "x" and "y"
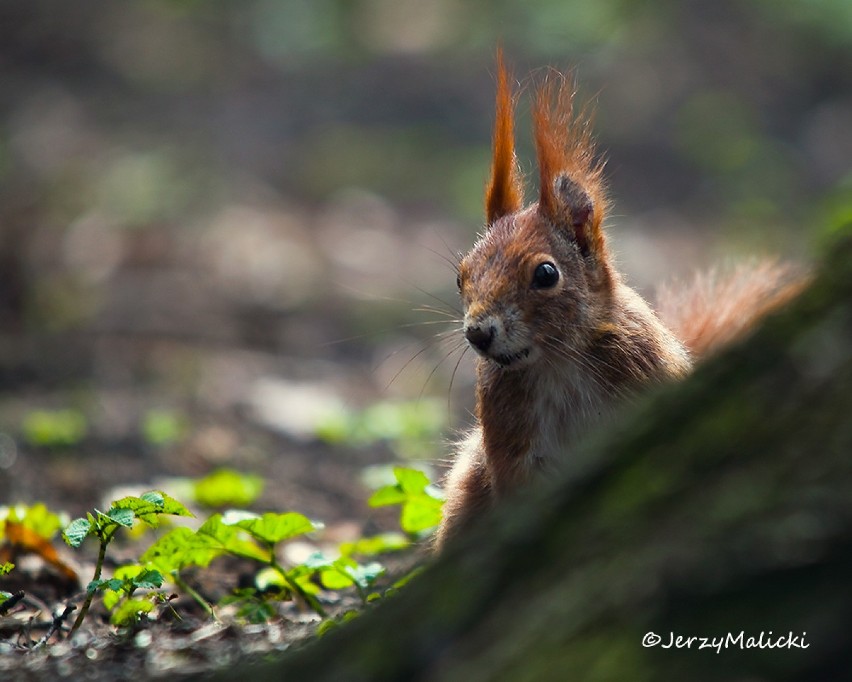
{"x": 155, "y": 650}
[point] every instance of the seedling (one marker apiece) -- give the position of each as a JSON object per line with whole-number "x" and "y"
{"x": 238, "y": 533}
{"x": 118, "y": 592}
{"x": 420, "y": 502}
{"x": 104, "y": 525}
{"x": 245, "y": 535}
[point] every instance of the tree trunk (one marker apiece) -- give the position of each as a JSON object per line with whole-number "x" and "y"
{"x": 721, "y": 505}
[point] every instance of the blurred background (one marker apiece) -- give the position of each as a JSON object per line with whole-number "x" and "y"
{"x": 225, "y": 225}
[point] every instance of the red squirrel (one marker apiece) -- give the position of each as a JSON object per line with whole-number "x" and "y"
{"x": 560, "y": 338}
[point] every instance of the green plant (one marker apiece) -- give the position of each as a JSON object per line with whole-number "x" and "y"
{"x": 5, "y": 568}
{"x": 123, "y": 513}
{"x": 241, "y": 534}
{"x": 119, "y": 590}
{"x": 420, "y": 502}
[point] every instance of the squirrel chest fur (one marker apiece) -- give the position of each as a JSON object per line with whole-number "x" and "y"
{"x": 560, "y": 339}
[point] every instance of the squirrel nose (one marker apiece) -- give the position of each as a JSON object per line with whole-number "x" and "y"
{"x": 480, "y": 338}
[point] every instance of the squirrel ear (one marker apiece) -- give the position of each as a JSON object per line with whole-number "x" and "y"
{"x": 572, "y": 192}
{"x": 575, "y": 208}
{"x": 504, "y": 194}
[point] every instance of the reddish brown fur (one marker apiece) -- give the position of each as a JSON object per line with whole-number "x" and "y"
{"x": 557, "y": 357}
{"x": 505, "y": 188}
{"x": 564, "y": 146}
{"x": 717, "y": 308}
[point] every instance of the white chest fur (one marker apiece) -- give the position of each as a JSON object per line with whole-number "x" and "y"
{"x": 567, "y": 404}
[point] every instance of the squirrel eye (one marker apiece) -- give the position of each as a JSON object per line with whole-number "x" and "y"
{"x": 545, "y": 276}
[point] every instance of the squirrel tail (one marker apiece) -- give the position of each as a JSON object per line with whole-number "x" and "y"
{"x": 720, "y": 306}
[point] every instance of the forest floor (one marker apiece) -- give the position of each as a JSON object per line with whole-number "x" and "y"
{"x": 300, "y": 472}
{"x": 150, "y": 398}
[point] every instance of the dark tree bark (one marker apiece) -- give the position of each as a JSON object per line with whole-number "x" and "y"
{"x": 717, "y": 506}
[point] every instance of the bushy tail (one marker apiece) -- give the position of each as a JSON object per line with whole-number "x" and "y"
{"x": 718, "y": 307}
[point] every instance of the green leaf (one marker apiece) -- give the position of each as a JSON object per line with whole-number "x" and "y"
{"x": 365, "y": 575}
{"x": 128, "y": 611}
{"x": 113, "y": 584}
{"x": 412, "y": 481}
{"x": 171, "y": 505}
{"x": 342, "y": 572}
{"x": 378, "y": 544}
{"x": 147, "y": 507}
{"x": 125, "y": 581}
{"x": 77, "y": 531}
{"x": 252, "y": 606}
{"x": 420, "y": 514}
{"x": 256, "y": 611}
{"x": 155, "y": 497}
{"x": 180, "y": 547}
{"x": 269, "y": 577}
{"x": 272, "y": 528}
{"x": 421, "y": 509}
{"x": 173, "y": 551}
{"x": 123, "y": 517}
{"x": 148, "y": 579}
{"x": 6, "y": 567}
{"x": 409, "y": 482}
{"x": 226, "y": 487}
{"x": 335, "y": 579}
{"x": 387, "y": 495}
{"x": 112, "y": 598}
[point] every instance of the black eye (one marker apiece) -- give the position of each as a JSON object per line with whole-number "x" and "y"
{"x": 545, "y": 276}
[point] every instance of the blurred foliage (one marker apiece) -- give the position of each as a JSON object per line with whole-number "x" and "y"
{"x": 411, "y": 428}
{"x": 163, "y": 427}
{"x": 55, "y": 428}
{"x": 37, "y": 518}
{"x": 157, "y": 115}
{"x": 227, "y": 488}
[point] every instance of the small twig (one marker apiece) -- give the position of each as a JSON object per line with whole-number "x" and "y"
{"x": 10, "y": 602}
{"x": 25, "y": 631}
{"x": 58, "y": 621}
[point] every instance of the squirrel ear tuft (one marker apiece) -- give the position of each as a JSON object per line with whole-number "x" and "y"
{"x": 504, "y": 194}
{"x": 572, "y": 193}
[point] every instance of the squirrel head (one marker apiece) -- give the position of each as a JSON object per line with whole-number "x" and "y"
{"x": 537, "y": 282}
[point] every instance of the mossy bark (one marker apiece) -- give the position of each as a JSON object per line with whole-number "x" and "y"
{"x": 721, "y": 505}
